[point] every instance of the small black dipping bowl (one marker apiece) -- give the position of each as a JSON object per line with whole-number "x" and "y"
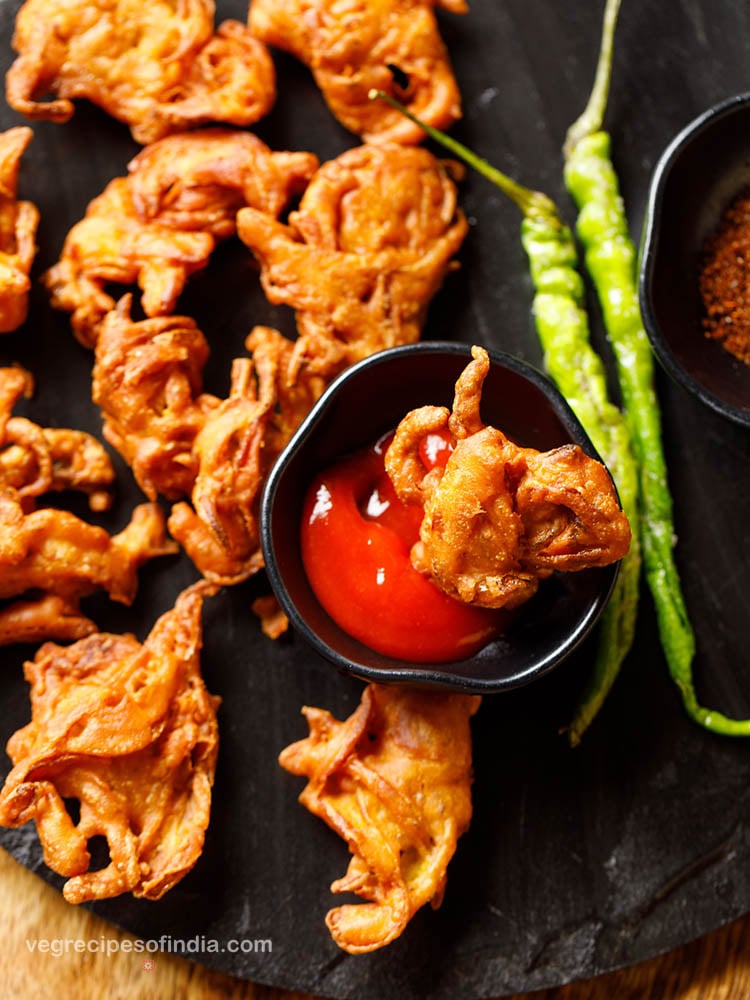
{"x": 368, "y": 400}
{"x": 696, "y": 178}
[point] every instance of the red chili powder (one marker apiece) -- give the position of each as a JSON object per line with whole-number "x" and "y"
{"x": 725, "y": 279}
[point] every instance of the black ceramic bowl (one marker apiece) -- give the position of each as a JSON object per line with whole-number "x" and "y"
{"x": 365, "y": 402}
{"x": 695, "y": 179}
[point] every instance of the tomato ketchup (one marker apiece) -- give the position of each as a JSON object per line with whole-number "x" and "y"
{"x": 356, "y": 537}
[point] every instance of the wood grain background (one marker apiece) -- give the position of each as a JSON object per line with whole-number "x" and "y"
{"x": 717, "y": 967}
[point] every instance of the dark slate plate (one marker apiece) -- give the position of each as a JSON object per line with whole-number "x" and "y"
{"x": 576, "y": 861}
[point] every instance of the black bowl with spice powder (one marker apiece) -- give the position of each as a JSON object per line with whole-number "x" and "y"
{"x": 695, "y": 258}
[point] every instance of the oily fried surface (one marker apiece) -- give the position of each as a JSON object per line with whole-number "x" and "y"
{"x": 55, "y": 552}
{"x": 148, "y": 380}
{"x": 182, "y": 442}
{"x": 234, "y": 450}
{"x": 130, "y": 732}
{"x": 52, "y": 556}
{"x": 199, "y": 180}
{"x": 18, "y": 225}
{"x": 159, "y": 67}
{"x": 37, "y": 460}
{"x": 221, "y": 533}
{"x": 159, "y": 225}
{"x": 498, "y": 517}
{"x": 394, "y": 780}
{"x": 111, "y": 244}
{"x": 376, "y": 232}
{"x": 349, "y": 48}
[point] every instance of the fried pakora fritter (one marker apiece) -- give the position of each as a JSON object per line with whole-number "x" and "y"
{"x": 182, "y": 442}
{"x": 376, "y": 232}
{"x": 394, "y": 780}
{"x": 18, "y": 225}
{"x": 55, "y": 552}
{"x": 159, "y": 225}
{"x": 350, "y": 48}
{"x": 45, "y": 617}
{"x": 498, "y": 517}
{"x": 158, "y": 67}
{"x": 36, "y": 460}
{"x": 198, "y": 181}
{"x": 51, "y": 555}
{"x": 148, "y": 380}
{"x": 111, "y": 244}
{"x": 129, "y": 731}
{"x": 234, "y": 450}
{"x": 221, "y": 533}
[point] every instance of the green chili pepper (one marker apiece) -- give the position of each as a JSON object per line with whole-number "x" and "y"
{"x": 611, "y": 261}
{"x": 562, "y": 325}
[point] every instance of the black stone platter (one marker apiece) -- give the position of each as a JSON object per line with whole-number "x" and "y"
{"x": 577, "y": 861}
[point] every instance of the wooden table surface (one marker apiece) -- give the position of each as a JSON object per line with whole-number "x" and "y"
{"x": 715, "y": 968}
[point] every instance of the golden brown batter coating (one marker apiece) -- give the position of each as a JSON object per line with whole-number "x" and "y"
{"x": 159, "y": 67}
{"x": 198, "y": 181}
{"x": 130, "y": 731}
{"x": 221, "y": 535}
{"x": 111, "y": 244}
{"x": 36, "y": 460}
{"x": 56, "y": 552}
{"x": 376, "y": 232}
{"x": 148, "y": 380}
{"x": 349, "y": 47}
{"x": 18, "y": 225}
{"x": 498, "y": 517}
{"x": 159, "y": 225}
{"x": 394, "y": 780}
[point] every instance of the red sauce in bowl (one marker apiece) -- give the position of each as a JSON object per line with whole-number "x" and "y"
{"x": 356, "y": 536}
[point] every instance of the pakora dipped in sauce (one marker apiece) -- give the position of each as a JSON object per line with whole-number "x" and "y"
{"x": 426, "y": 561}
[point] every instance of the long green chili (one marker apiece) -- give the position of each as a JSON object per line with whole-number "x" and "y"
{"x": 611, "y": 261}
{"x": 562, "y": 325}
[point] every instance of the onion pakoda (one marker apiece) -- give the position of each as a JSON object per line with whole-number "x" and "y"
{"x": 18, "y": 225}
{"x": 376, "y": 232}
{"x": 394, "y": 780}
{"x": 53, "y": 552}
{"x": 350, "y": 49}
{"x": 498, "y": 517}
{"x": 50, "y": 559}
{"x": 160, "y": 224}
{"x": 159, "y": 67}
{"x": 129, "y": 731}
{"x": 221, "y": 534}
{"x": 37, "y": 460}
{"x": 148, "y": 380}
{"x": 239, "y": 441}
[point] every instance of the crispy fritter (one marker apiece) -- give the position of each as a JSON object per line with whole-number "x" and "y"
{"x": 350, "y": 48}
{"x": 56, "y": 552}
{"x": 148, "y": 380}
{"x": 18, "y": 225}
{"x": 375, "y": 234}
{"x": 200, "y": 180}
{"x": 130, "y": 732}
{"x": 46, "y": 617}
{"x": 498, "y": 517}
{"x": 183, "y": 442}
{"x": 394, "y": 780}
{"x": 221, "y": 535}
{"x": 36, "y": 460}
{"x": 296, "y": 389}
{"x": 158, "y": 67}
{"x": 111, "y": 244}
{"x": 159, "y": 225}
{"x": 235, "y": 449}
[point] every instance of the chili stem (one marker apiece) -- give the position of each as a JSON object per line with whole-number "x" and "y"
{"x": 610, "y": 259}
